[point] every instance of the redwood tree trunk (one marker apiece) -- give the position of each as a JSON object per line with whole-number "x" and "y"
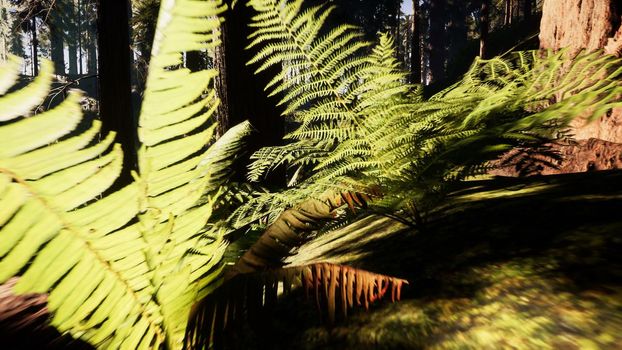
{"x": 456, "y": 29}
{"x": 243, "y": 91}
{"x": 484, "y": 28}
{"x": 436, "y": 47}
{"x": 580, "y": 24}
{"x": 115, "y": 105}
{"x": 72, "y": 38}
{"x": 415, "y": 52}
{"x": 56, "y": 42}
{"x": 590, "y": 25}
{"x": 35, "y": 47}
{"x": 510, "y": 11}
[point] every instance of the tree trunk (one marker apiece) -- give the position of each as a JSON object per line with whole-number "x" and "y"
{"x": 115, "y": 105}
{"x": 436, "y": 47}
{"x": 456, "y": 30}
{"x": 398, "y": 18}
{"x": 245, "y": 96}
{"x": 72, "y": 38}
{"x": 484, "y": 26}
{"x": 527, "y": 9}
{"x": 91, "y": 48}
{"x": 590, "y": 25}
{"x": 507, "y": 18}
{"x": 415, "y": 52}
{"x": 79, "y": 34}
{"x": 220, "y": 85}
{"x": 579, "y": 24}
{"x": 35, "y": 47}
{"x": 57, "y": 53}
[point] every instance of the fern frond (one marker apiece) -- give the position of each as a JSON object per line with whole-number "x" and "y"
{"x": 118, "y": 269}
{"x": 254, "y": 280}
{"x": 176, "y": 166}
{"x": 79, "y": 253}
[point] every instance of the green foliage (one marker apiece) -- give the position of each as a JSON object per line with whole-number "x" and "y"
{"x": 361, "y": 126}
{"x": 252, "y": 284}
{"x": 121, "y": 271}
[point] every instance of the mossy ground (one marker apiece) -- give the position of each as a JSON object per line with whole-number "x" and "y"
{"x": 504, "y": 264}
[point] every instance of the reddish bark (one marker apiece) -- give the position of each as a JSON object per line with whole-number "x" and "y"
{"x": 590, "y": 25}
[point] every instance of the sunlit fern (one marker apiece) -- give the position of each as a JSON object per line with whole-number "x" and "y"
{"x": 361, "y": 125}
{"x": 121, "y": 271}
{"x": 253, "y": 283}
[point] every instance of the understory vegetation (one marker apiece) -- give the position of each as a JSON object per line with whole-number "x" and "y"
{"x": 147, "y": 267}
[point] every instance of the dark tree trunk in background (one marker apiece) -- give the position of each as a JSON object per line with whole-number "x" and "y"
{"x": 114, "y": 79}
{"x": 220, "y": 85}
{"x": 456, "y": 30}
{"x": 56, "y": 42}
{"x": 91, "y": 49}
{"x": 581, "y": 24}
{"x": 72, "y": 38}
{"x": 527, "y": 8}
{"x": 398, "y": 17}
{"x": 415, "y": 52}
{"x": 245, "y": 95}
{"x": 35, "y": 47}
{"x": 484, "y": 23}
{"x": 436, "y": 45}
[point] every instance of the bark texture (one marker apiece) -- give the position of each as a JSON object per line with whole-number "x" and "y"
{"x": 578, "y": 24}
{"x": 589, "y": 25}
{"x": 582, "y": 156}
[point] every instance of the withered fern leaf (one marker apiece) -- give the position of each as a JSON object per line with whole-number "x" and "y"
{"x": 335, "y": 288}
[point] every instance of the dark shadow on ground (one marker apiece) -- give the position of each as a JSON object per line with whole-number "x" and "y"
{"x": 508, "y": 263}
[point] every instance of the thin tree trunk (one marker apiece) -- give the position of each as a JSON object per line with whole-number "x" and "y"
{"x": 415, "y": 52}
{"x": 484, "y": 28}
{"x": 507, "y": 20}
{"x": 220, "y": 84}
{"x": 407, "y": 40}
{"x": 436, "y": 47}
{"x": 398, "y": 17}
{"x": 79, "y": 34}
{"x": 114, "y": 79}
{"x": 35, "y": 49}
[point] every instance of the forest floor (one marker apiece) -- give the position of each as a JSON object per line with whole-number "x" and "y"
{"x": 506, "y": 263}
